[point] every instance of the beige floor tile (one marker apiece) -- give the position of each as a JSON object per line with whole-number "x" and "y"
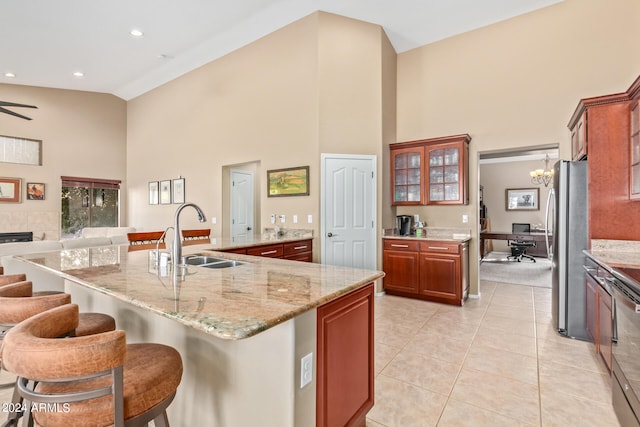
{"x": 574, "y": 381}
{"x": 441, "y": 347}
{"x": 562, "y": 410}
{"x": 569, "y": 352}
{"x": 383, "y": 354}
{"x": 507, "y": 397}
{"x": 399, "y": 404}
{"x": 501, "y": 324}
{"x": 462, "y": 331}
{"x": 423, "y": 371}
{"x": 388, "y": 333}
{"x": 526, "y": 313}
{"x": 371, "y": 423}
{"x": 460, "y": 414}
{"x": 503, "y": 363}
{"x": 507, "y": 341}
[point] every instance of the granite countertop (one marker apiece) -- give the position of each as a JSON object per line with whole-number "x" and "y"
{"x": 458, "y": 235}
{"x": 269, "y": 236}
{"x": 229, "y": 303}
{"x": 616, "y": 253}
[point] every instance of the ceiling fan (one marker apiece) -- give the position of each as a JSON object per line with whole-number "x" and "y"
{"x": 13, "y": 113}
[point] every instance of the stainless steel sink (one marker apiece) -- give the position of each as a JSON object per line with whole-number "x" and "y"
{"x": 201, "y": 259}
{"x": 210, "y": 262}
{"x": 223, "y": 264}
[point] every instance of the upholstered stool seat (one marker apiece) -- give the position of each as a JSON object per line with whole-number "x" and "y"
{"x": 99, "y": 379}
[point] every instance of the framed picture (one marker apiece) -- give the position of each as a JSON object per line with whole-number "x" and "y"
{"x": 153, "y": 193}
{"x": 177, "y": 192}
{"x": 35, "y": 191}
{"x": 288, "y": 182}
{"x": 10, "y": 190}
{"x": 522, "y": 199}
{"x": 165, "y": 192}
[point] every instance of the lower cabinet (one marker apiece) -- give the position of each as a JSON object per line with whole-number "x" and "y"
{"x": 605, "y": 327}
{"x": 345, "y": 364}
{"x": 592, "y": 309}
{"x": 301, "y": 250}
{"x": 432, "y": 270}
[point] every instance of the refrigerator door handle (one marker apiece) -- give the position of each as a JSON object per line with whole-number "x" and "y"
{"x": 550, "y": 199}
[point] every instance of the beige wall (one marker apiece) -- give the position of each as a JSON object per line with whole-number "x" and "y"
{"x": 515, "y": 84}
{"x": 83, "y": 134}
{"x": 312, "y": 87}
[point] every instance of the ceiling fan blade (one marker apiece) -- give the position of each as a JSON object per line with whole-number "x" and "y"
{"x": 13, "y": 104}
{"x": 4, "y": 110}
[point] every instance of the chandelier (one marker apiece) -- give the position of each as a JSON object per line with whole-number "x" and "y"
{"x": 542, "y": 176}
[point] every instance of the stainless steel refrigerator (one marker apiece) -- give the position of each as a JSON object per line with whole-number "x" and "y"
{"x": 570, "y": 237}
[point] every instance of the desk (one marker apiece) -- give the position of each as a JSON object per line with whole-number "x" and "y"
{"x": 536, "y": 236}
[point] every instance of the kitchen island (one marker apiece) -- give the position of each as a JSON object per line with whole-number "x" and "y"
{"x": 241, "y": 331}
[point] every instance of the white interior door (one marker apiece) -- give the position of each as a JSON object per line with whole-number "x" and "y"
{"x": 348, "y": 223}
{"x": 241, "y": 197}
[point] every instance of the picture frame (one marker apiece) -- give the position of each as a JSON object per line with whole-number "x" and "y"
{"x": 35, "y": 191}
{"x": 288, "y": 182}
{"x": 154, "y": 194}
{"x": 522, "y": 199}
{"x": 165, "y": 192}
{"x": 10, "y": 190}
{"x": 177, "y": 190}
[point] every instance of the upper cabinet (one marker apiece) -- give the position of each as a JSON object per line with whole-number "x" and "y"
{"x": 579, "y": 138}
{"x": 431, "y": 171}
{"x": 634, "y": 146}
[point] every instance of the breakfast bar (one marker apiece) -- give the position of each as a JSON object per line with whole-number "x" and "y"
{"x": 242, "y": 331}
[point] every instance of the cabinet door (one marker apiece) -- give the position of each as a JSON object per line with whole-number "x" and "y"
{"x": 634, "y": 155}
{"x": 407, "y": 182}
{"x": 591, "y": 309}
{"x": 299, "y": 251}
{"x": 401, "y": 271}
{"x": 446, "y": 173}
{"x": 269, "y": 251}
{"x": 605, "y": 330}
{"x": 345, "y": 367}
{"x": 579, "y": 138}
{"x": 440, "y": 277}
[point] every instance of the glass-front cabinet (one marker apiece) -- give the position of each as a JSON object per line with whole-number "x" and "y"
{"x": 406, "y": 176}
{"x": 430, "y": 171}
{"x": 634, "y": 155}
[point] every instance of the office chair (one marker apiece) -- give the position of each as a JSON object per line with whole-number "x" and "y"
{"x": 519, "y": 247}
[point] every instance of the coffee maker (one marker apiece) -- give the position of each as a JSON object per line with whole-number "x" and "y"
{"x": 404, "y": 224}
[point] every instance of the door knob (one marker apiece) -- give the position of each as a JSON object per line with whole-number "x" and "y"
{"x": 248, "y": 228}
{"x": 331, "y": 234}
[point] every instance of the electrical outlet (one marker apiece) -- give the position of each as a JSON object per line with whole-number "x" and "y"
{"x": 214, "y": 220}
{"x": 295, "y": 219}
{"x": 273, "y": 218}
{"x": 282, "y": 219}
{"x": 306, "y": 370}
{"x": 465, "y": 219}
{"x": 309, "y": 219}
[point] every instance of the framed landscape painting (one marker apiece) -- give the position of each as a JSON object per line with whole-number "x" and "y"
{"x": 288, "y": 182}
{"x": 10, "y": 190}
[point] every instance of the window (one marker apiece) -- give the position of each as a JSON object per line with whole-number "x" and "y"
{"x": 20, "y": 150}
{"x": 89, "y": 202}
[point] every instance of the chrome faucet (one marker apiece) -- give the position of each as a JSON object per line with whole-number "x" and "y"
{"x": 176, "y": 251}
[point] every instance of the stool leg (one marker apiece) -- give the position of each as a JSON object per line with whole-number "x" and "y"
{"x": 161, "y": 420}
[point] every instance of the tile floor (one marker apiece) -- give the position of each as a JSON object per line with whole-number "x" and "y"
{"x": 494, "y": 362}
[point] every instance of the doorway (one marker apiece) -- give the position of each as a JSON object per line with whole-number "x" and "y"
{"x": 499, "y": 174}
{"x": 240, "y": 200}
{"x": 348, "y": 206}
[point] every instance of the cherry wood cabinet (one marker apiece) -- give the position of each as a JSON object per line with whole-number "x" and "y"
{"x": 430, "y": 171}
{"x": 592, "y": 309}
{"x": 401, "y": 264}
{"x": 607, "y": 127}
{"x": 300, "y": 250}
{"x": 605, "y": 330}
{"x": 407, "y": 175}
{"x": 431, "y": 270}
{"x": 579, "y": 138}
{"x": 345, "y": 364}
{"x": 634, "y": 154}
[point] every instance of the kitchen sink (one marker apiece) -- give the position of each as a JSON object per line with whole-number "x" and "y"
{"x": 211, "y": 262}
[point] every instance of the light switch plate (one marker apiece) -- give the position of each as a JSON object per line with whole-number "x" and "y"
{"x": 309, "y": 219}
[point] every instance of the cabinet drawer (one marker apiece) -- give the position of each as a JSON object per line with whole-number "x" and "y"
{"x": 401, "y": 245}
{"x": 271, "y": 251}
{"x": 295, "y": 248}
{"x": 440, "y": 247}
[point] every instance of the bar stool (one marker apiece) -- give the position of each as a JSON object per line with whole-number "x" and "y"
{"x": 18, "y": 302}
{"x": 12, "y": 278}
{"x": 196, "y": 237}
{"x": 97, "y": 380}
{"x": 145, "y": 240}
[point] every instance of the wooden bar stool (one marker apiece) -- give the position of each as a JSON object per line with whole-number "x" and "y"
{"x": 12, "y": 278}
{"x": 196, "y": 237}
{"x": 98, "y": 380}
{"x": 145, "y": 240}
{"x": 18, "y": 302}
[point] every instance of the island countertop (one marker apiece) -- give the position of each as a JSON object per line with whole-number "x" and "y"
{"x": 228, "y": 303}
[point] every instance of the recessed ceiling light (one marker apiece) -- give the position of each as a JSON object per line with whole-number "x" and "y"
{"x": 9, "y": 74}
{"x": 78, "y": 74}
{"x": 136, "y": 33}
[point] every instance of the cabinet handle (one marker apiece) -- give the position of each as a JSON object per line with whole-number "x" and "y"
{"x": 300, "y": 247}
{"x": 268, "y": 252}
{"x": 439, "y": 248}
{"x": 399, "y": 246}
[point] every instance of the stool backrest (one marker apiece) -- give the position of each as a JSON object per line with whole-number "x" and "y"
{"x": 12, "y": 278}
{"x": 16, "y": 304}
